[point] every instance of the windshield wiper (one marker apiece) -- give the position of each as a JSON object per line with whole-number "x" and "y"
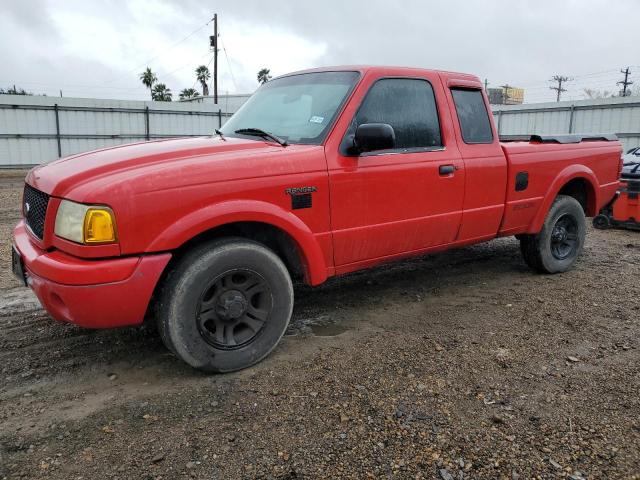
{"x": 256, "y": 132}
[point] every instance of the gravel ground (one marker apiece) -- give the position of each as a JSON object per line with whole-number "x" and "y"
{"x": 461, "y": 365}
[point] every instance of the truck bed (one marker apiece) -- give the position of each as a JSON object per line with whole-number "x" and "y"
{"x": 545, "y": 163}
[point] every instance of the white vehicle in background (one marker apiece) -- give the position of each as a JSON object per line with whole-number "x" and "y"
{"x": 632, "y": 155}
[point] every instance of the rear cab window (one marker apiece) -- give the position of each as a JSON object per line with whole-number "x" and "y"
{"x": 473, "y": 116}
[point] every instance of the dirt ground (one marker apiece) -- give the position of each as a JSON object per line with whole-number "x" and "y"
{"x": 461, "y": 365}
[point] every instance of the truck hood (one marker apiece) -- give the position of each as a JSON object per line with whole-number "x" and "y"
{"x": 79, "y": 177}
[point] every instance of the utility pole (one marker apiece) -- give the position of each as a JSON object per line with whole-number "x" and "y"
{"x": 560, "y": 79}
{"x": 486, "y": 85}
{"x": 215, "y": 59}
{"x": 626, "y": 82}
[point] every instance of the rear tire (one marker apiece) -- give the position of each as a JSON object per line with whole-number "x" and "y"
{"x": 225, "y": 305}
{"x": 560, "y": 242}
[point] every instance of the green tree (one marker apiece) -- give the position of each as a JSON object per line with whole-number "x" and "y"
{"x": 161, "y": 93}
{"x": 202, "y": 75}
{"x": 148, "y": 79}
{"x": 188, "y": 93}
{"x": 264, "y": 75}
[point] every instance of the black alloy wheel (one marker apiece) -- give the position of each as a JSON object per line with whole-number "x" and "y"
{"x": 234, "y": 308}
{"x": 564, "y": 237}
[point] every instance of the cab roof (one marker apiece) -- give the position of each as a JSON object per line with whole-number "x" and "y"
{"x": 388, "y": 70}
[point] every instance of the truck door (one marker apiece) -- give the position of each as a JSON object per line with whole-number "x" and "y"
{"x": 485, "y": 162}
{"x": 398, "y": 201}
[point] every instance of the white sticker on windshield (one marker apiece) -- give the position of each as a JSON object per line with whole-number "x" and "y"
{"x": 316, "y": 119}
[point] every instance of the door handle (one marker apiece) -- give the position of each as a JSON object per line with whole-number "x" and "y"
{"x": 446, "y": 169}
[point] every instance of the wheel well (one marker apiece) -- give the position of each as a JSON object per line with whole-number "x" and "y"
{"x": 271, "y": 237}
{"x": 582, "y": 190}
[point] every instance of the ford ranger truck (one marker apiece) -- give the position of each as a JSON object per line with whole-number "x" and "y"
{"x": 320, "y": 173}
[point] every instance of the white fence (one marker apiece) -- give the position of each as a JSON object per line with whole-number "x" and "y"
{"x": 35, "y": 130}
{"x": 610, "y": 115}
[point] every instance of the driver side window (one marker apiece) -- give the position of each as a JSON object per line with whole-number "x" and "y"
{"x": 408, "y": 105}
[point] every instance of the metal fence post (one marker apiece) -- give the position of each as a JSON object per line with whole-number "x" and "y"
{"x": 219, "y": 117}
{"x": 147, "y": 133}
{"x": 55, "y": 110}
{"x": 571, "y": 111}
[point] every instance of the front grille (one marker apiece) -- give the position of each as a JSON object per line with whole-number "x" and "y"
{"x": 34, "y": 208}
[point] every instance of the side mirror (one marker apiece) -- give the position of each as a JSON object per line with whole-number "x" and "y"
{"x": 374, "y": 136}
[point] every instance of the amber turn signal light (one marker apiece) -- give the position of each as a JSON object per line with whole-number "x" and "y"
{"x": 99, "y": 226}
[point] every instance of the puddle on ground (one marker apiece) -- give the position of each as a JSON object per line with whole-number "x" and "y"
{"x": 18, "y": 300}
{"x": 327, "y": 329}
{"x": 320, "y": 326}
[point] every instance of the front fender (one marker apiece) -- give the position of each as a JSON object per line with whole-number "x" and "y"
{"x": 223, "y": 213}
{"x": 565, "y": 176}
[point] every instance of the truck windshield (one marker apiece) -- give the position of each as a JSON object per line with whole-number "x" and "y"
{"x": 297, "y": 108}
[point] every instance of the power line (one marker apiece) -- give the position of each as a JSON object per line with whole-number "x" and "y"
{"x": 72, "y": 85}
{"x": 233, "y": 78}
{"x": 560, "y": 79}
{"x": 148, "y": 62}
{"x": 96, "y": 86}
{"x": 210, "y": 60}
{"x": 542, "y": 84}
{"x": 183, "y": 66}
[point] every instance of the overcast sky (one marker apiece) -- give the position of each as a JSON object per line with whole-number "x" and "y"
{"x": 97, "y": 48}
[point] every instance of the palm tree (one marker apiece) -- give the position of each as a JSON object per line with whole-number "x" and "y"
{"x": 263, "y": 75}
{"x": 161, "y": 93}
{"x": 188, "y": 93}
{"x": 202, "y": 75}
{"x": 148, "y": 78}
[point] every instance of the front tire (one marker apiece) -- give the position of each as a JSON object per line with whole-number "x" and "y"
{"x": 560, "y": 242}
{"x": 225, "y": 305}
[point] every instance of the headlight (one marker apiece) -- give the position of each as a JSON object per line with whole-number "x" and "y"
{"x": 85, "y": 223}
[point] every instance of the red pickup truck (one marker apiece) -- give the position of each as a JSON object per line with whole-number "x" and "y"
{"x": 320, "y": 173}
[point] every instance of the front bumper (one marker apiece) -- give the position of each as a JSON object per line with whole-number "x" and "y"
{"x": 91, "y": 293}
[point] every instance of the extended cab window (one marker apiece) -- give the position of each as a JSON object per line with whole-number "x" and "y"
{"x": 473, "y": 115}
{"x": 408, "y": 105}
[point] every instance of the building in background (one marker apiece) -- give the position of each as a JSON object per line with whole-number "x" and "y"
{"x": 506, "y": 95}
{"x": 228, "y": 103}
{"x": 496, "y": 96}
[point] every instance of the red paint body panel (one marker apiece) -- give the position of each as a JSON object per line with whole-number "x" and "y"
{"x": 106, "y": 305}
{"x": 366, "y": 210}
{"x": 486, "y": 170}
{"x": 393, "y": 203}
{"x": 90, "y": 293}
{"x": 550, "y": 167}
{"x": 626, "y": 208}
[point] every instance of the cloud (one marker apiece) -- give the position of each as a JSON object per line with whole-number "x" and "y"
{"x": 98, "y": 48}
